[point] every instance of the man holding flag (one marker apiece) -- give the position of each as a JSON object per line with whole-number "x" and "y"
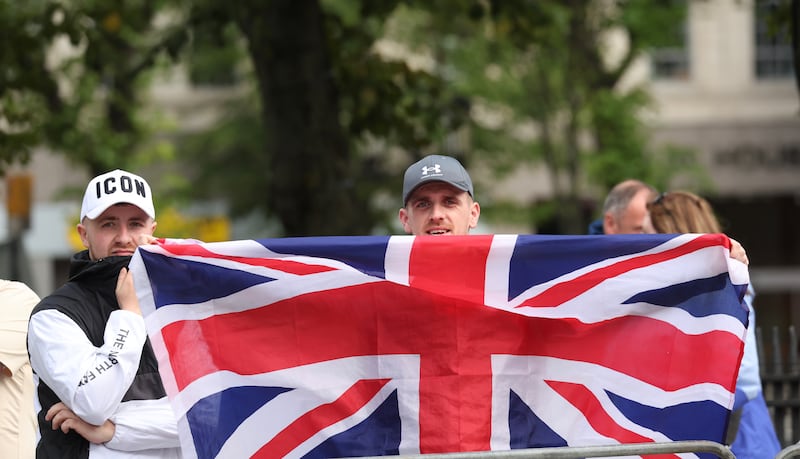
{"x": 98, "y": 383}
{"x": 438, "y": 198}
{"x": 381, "y": 345}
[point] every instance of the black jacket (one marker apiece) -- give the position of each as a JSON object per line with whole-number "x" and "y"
{"x": 88, "y": 298}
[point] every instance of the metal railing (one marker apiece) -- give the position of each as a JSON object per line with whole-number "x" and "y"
{"x": 577, "y": 452}
{"x": 789, "y": 451}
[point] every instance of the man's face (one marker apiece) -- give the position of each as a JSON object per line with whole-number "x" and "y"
{"x": 438, "y": 208}
{"x": 647, "y": 226}
{"x": 116, "y": 232}
{"x": 631, "y": 220}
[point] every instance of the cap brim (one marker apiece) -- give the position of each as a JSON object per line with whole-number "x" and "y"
{"x": 98, "y": 210}
{"x": 416, "y": 187}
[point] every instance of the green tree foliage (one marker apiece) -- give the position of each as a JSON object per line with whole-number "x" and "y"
{"x": 327, "y": 118}
{"x": 329, "y": 108}
{"x": 73, "y": 74}
{"x": 27, "y": 90}
{"x": 543, "y": 73}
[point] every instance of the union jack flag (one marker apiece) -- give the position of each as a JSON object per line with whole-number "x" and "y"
{"x": 366, "y": 346}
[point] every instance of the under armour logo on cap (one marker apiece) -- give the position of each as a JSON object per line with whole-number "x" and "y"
{"x": 436, "y": 168}
{"x": 116, "y": 187}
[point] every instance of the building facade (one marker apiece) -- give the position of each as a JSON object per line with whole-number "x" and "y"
{"x": 730, "y": 93}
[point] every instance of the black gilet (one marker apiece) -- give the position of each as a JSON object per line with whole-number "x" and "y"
{"x": 89, "y": 298}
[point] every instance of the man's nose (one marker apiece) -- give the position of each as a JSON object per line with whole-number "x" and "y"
{"x": 124, "y": 235}
{"x": 437, "y": 212}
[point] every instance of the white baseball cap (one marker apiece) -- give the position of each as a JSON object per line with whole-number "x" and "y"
{"x": 116, "y": 187}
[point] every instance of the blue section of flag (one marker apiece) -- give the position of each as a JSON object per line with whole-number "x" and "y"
{"x": 364, "y": 253}
{"x": 698, "y": 297}
{"x": 185, "y": 281}
{"x": 378, "y": 435}
{"x": 565, "y": 254}
{"x": 215, "y": 417}
{"x": 526, "y": 429}
{"x": 688, "y": 421}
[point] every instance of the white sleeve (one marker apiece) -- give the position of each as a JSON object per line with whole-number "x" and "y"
{"x": 144, "y": 423}
{"x": 91, "y": 381}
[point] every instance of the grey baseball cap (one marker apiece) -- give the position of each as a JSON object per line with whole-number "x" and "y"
{"x": 436, "y": 168}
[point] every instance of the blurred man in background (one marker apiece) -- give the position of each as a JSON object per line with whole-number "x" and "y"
{"x": 624, "y": 208}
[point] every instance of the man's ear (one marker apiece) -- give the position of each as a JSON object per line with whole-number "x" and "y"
{"x": 82, "y": 234}
{"x": 402, "y": 215}
{"x": 475, "y": 214}
{"x": 609, "y": 224}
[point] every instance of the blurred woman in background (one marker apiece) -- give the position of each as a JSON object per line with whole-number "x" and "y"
{"x": 751, "y": 433}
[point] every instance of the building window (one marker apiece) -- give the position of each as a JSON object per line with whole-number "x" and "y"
{"x": 672, "y": 62}
{"x": 773, "y": 47}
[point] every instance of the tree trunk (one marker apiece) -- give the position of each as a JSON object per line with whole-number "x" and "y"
{"x": 310, "y": 186}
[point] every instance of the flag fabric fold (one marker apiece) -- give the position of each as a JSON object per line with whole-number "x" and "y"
{"x": 365, "y": 346}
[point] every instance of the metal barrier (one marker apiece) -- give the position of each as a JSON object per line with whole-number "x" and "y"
{"x": 789, "y": 451}
{"x": 578, "y": 452}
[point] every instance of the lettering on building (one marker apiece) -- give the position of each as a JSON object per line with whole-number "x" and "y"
{"x": 749, "y": 157}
